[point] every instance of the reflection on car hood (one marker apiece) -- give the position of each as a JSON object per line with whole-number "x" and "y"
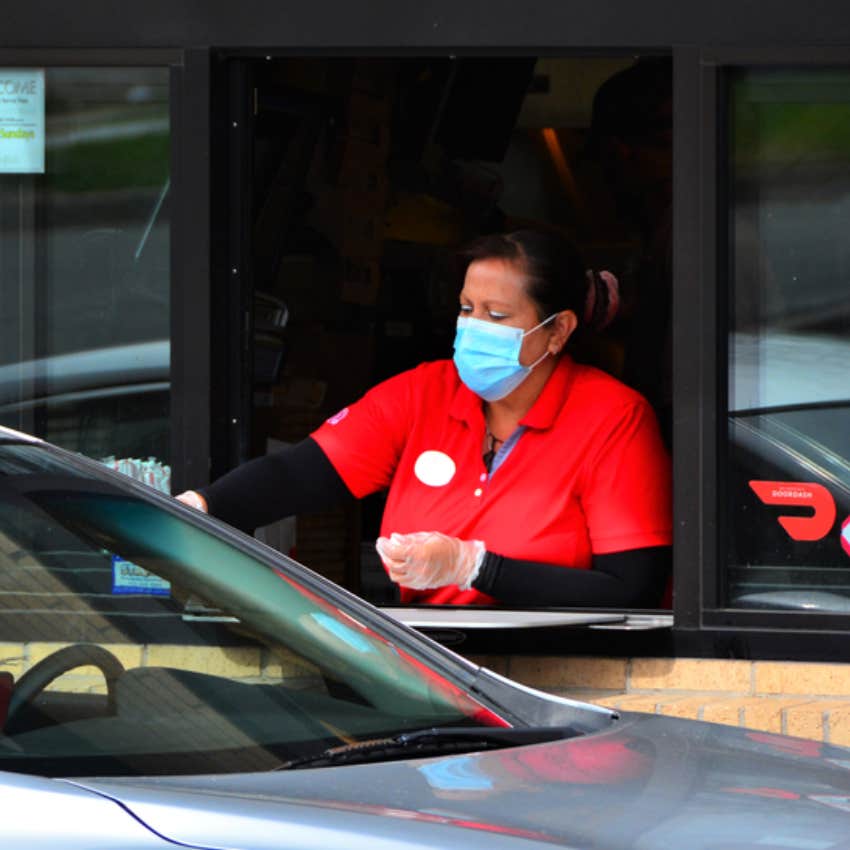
{"x": 650, "y": 782}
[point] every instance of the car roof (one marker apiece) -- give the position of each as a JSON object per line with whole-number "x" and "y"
{"x": 784, "y": 369}
{"x": 11, "y": 435}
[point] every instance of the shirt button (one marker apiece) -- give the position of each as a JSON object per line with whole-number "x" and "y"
{"x": 478, "y": 492}
{"x": 483, "y": 476}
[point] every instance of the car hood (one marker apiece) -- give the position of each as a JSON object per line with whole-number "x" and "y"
{"x": 648, "y": 782}
{"x": 44, "y": 813}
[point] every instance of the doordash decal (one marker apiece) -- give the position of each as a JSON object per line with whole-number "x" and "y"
{"x": 799, "y": 494}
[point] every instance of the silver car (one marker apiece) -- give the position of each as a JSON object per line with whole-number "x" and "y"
{"x": 166, "y": 681}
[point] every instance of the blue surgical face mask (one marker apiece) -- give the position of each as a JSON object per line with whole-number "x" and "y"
{"x": 487, "y": 356}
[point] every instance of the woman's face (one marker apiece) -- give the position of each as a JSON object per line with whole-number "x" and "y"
{"x": 495, "y": 291}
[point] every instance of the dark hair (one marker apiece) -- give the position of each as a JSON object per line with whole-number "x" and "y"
{"x": 557, "y": 276}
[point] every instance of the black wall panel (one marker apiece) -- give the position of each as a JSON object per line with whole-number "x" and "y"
{"x": 409, "y": 24}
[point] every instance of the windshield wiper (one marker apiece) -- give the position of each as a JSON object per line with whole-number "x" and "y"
{"x": 424, "y": 742}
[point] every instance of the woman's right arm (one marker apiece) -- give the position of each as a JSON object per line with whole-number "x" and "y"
{"x": 353, "y": 453}
{"x": 297, "y": 479}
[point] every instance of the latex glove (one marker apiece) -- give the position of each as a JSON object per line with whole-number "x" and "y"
{"x": 193, "y": 500}
{"x": 430, "y": 559}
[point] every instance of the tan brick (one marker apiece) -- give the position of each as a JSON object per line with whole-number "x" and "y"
{"x": 496, "y": 663}
{"x": 130, "y": 655}
{"x": 634, "y": 702}
{"x": 608, "y": 700}
{"x": 838, "y": 726}
{"x": 766, "y": 714}
{"x": 280, "y": 665}
{"x": 692, "y": 707}
{"x": 690, "y": 674}
{"x": 89, "y": 680}
{"x": 592, "y": 695}
{"x": 726, "y": 711}
{"x": 680, "y": 707}
{"x": 669, "y": 704}
{"x": 797, "y": 677}
{"x": 572, "y": 693}
{"x": 12, "y": 658}
{"x": 236, "y": 662}
{"x": 38, "y": 651}
{"x": 808, "y": 718}
{"x": 576, "y": 672}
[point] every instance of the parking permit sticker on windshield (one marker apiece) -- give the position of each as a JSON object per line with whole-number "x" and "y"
{"x": 128, "y": 577}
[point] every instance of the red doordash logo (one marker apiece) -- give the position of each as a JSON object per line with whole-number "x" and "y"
{"x": 799, "y": 494}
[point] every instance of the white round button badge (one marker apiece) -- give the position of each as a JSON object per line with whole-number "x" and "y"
{"x": 434, "y": 468}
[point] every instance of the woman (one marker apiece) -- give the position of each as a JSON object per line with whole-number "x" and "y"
{"x": 514, "y": 474}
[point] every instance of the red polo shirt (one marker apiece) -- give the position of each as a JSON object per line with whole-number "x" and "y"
{"x": 589, "y": 475}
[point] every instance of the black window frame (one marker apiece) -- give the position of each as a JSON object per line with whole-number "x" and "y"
{"x": 190, "y": 231}
{"x": 701, "y": 329}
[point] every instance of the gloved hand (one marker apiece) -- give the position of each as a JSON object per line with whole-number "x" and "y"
{"x": 430, "y": 559}
{"x": 193, "y": 500}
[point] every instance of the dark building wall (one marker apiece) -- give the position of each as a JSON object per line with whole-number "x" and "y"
{"x": 435, "y": 24}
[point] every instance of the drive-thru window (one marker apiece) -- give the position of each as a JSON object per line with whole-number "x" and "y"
{"x": 225, "y": 228}
{"x": 360, "y": 177}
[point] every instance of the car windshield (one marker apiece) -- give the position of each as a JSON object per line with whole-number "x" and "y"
{"x": 136, "y": 638}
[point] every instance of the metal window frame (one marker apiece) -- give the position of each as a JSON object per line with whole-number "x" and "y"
{"x": 191, "y": 270}
{"x": 190, "y": 232}
{"x": 699, "y": 342}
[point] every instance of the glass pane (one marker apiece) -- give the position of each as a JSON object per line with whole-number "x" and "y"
{"x": 154, "y": 646}
{"x": 84, "y": 272}
{"x": 788, "y": 472}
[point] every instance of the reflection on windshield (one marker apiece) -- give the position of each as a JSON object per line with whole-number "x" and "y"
{"x": 204, "y": 658}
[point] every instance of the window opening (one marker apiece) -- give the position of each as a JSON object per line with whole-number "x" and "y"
{"x": 368, "y": 173}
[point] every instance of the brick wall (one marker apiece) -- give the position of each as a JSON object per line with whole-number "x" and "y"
{"x": 244, "y": 664}
{"x": 795, "y": 698}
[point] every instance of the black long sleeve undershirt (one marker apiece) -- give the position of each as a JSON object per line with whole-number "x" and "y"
{"x": 635, "y": 578}
{"x": 301, "y": 479}
{"x": 296, "y": 480}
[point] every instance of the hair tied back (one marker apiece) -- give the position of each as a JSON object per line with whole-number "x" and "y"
{"x": 603, "y": 299}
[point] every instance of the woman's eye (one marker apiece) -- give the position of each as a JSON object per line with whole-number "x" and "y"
{"x": 465, "y": 308}
{"x": 498, "y": 317}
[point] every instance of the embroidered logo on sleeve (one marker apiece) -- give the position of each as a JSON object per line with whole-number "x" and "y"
{"x": 338, "y": 417}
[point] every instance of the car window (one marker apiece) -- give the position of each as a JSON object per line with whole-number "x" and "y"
{"x": 144, "y": 642}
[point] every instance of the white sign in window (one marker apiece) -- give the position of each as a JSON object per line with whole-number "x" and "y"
{"x": 21, "y": 121}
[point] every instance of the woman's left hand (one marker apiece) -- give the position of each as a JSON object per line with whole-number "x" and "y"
{"x": 428, "y": 559}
